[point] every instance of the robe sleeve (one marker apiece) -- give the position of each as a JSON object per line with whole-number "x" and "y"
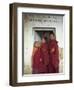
{"x": 45, "y": 54}
{"x": 54, "y": 53}
{"x": 56, "y": 56}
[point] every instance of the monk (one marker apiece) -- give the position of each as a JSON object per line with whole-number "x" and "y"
{"x": 44, "y": 51}
{"x": 37, "y": 59}
{"x": 53, "y": 54}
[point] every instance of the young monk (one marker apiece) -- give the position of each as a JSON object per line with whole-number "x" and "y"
{"x": 37, "y": 59}
{"x": 45, "y": 53}
{"x": 53, "y": 54}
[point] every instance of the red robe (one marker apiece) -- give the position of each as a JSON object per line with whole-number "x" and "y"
{"x": 53, "y": 56}
{"x": 45, "y": 53}
{"x": 37, "y": 63}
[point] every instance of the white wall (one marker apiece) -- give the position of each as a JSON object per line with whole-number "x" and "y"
{"x": 53, "y": 21}
{"x": 4, "y": 46}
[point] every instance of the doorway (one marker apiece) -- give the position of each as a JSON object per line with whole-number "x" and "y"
{"x": 40, "y": 31}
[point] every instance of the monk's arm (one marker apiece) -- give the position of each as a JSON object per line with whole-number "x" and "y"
{"x": 54, "y": 48}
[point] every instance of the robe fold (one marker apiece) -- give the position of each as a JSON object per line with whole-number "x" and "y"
{"x": 45, "y": 54}
{"x": 37, "y": 63}
{"x": 53, "y": 56}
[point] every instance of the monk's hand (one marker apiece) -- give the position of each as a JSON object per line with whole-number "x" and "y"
{"x": 40, "y": 59}
{"x": 52, "y": 50}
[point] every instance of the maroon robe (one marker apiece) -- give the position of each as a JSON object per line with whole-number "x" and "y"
{"x": 37, "y": 63}
{"x": 53, "y": 56}
{"x": 45, "y": 53}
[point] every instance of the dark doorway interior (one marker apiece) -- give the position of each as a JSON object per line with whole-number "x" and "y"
{"x": 39, "y": 34}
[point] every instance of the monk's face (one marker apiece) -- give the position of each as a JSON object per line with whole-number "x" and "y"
{"x": 52, "y": 37}
{"x": 37, "y": 44}
{"x": 43, "y": 40}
